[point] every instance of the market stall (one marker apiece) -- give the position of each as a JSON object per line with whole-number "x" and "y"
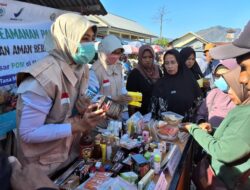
{"x": 140, "y": 153}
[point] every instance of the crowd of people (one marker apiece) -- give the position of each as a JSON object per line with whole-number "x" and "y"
{"x": 54, "y": 106}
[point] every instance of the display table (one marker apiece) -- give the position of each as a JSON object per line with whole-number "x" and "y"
{"x": 180, "y": 178}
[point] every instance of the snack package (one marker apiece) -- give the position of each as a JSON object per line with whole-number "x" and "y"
{"x": 91, "y": 93}
{"x": 136, "y": 96}
{"x": 113, "y": 109}
{"x": 94, "y": 183}
{"x": 104, "y": 103}
{"x": 168, "y": 132}
{"x": 136, "y": 99}
{"x": 152, "y": 126}
{"x": 135, "y": 124}
{"x": 172, "y": 118}
{"x": 131, "y": 176}
{"x": 114, "y": 127}
{"x": 71, "y": 183}
{"x": 117, "y": 184}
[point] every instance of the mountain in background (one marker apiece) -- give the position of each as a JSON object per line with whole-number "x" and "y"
{"x": 217, "y": 33}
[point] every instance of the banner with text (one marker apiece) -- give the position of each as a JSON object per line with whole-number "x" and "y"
{"x": 21, "y": 46}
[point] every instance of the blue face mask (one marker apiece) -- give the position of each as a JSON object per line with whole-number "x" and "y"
{"x": 221, "y": 84}
{"x": 85, "y": 53}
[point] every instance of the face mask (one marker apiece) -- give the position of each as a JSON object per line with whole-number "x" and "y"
{"x": 221, "y": 84}
{"x": 85, "y": 53}
{"x": 112, "y": 58}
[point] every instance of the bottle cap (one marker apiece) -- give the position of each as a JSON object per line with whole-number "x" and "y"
{"x": 157, "y": 158}
{"x": 147, "y": 155}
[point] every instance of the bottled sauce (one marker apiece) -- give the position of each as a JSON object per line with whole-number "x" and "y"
{"x": 86, "y": 146}
{"x": 104, "y": 150}
{"x": 97, "y": 152}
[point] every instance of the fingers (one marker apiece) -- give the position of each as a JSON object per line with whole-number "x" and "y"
{"x": 206, "y": 127}
{"x": 82, "y": 104}
{"x": 92, "y": 118}
{"x": 92, "y": 108}
{"x": 15, "y": 164}
{"x": 125, "y": 99}
{"x": 98, "y": 114}
{"x": 93, "y": 111}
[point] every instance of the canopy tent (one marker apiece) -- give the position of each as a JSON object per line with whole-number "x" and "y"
{"x": 85, "y": 7}
{"x": 157, "y": 48}
{"x": 128, "y": 49}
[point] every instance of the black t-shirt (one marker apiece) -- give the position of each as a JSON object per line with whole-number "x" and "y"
{"x": 180, "y": 92}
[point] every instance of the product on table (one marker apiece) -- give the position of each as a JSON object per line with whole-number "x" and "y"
{"x": 171, "y": 131}
{"x": 157, "y": 164}
{"x": 86, "y": 146}
{"x": 168, "y": 132}
{"x": 172, "y": 118}
{"x": 96, "y": 181}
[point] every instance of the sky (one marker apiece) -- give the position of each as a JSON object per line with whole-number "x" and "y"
{"x": 182, "y": 16}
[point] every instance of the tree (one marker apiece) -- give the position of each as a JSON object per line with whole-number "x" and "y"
{"x": 161, "y": 41}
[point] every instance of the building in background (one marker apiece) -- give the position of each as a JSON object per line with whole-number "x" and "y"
{"x": 85, "y": 7}
{"x": 125, "y": 29}
{"x": 190, "y": 39}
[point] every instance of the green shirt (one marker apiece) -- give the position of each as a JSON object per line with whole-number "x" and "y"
{"x": 230, "y": 142}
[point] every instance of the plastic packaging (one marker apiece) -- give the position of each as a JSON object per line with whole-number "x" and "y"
{"x": 172, "y": 118}
{"x": 136, "y": 96}
{"x": 168, "y": 133}
{"x": 136, "y": 99}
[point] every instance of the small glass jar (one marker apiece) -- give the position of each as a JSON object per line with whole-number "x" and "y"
{"x": 86, "y": 146}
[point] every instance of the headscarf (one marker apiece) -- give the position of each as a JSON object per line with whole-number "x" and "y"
{"x": 230, "y": 64}
{"x": 108, "y": 45}
{"x": 151, "y": 73}
{"x": 177, "y": 56}
{"x": 65, "y": 35}
{"x": 180, "y": 90}
{"x": 195, "y": 69}
{"x": 232, "y": 79}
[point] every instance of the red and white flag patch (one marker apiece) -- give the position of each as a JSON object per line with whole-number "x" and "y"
{"x": 65, "y": 98}
{"x": 106, "y": 82}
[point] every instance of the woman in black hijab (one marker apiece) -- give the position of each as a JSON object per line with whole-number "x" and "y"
{"x": 178, "y": 88}
{"x": 188, "y": 57}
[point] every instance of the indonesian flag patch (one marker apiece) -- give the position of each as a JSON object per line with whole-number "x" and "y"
{"x": 106, "y": 82}
{"x": 65, "y": 98}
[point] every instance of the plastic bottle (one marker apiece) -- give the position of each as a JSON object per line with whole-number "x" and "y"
{"x": 104, "y": 150}
{"x": 109, "y": 150}
{"x": 157, "y": 163}
{"x": 97, "y": 152}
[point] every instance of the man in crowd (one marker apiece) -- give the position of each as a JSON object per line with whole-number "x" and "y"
{"x": 211, "y": 64}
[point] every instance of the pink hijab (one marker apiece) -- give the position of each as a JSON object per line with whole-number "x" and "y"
{"x": 232, "y": 78}
{"x": 152, "y": 72}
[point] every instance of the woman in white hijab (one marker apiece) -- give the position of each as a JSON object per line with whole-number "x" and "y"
{"x": 106, "y": 76}
{"x": 48, "y": 132}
